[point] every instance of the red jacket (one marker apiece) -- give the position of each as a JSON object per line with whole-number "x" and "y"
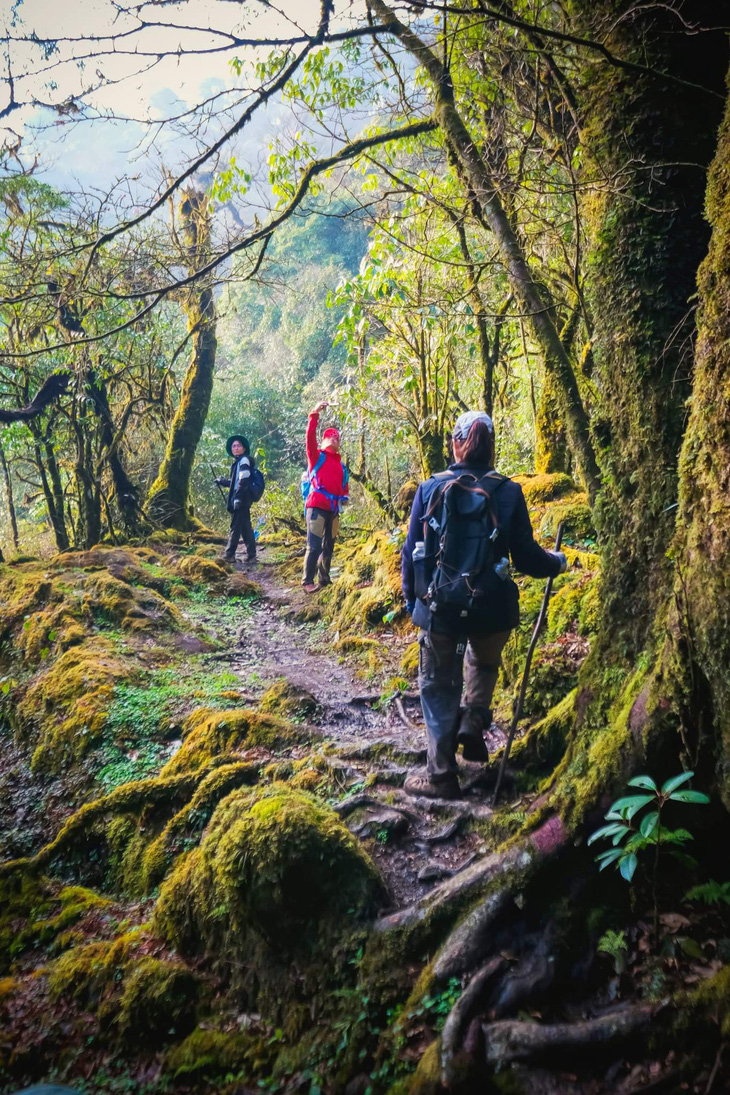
{"x": 331, "y": 475}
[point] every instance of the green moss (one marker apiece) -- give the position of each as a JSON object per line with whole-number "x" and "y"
{"x": 202, "y": 570}
{"x": 276, "y": 877}
{"x": 65, "y": 708}
{"x": 712, "y": 999}
{"x": 211, "y": 1054}
{"x": 426, "y": 1080}
{"x": 142, "y": 859}
{"x": 288, "y": 701}
{"x": 576, "y": 517}
{"x": 368, "y": 587}
{"x": 544, "y": 743}
{"x": 133, "y": 608}
{"x": 158, "y": 1002}
{"x": 409, "y": 661}
{"x": 545, "y": 487}
{"x": 210, "y": 736}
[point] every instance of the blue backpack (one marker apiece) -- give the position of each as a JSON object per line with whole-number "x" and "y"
{"x": 309, "y": 481}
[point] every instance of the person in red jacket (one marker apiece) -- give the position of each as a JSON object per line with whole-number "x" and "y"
{"x": 328, "y": 492}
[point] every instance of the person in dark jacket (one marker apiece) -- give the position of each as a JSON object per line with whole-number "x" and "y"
{"x": 239, "y": 498}
{"x": 328, "y": 492}
{"x": 442, "y": 666}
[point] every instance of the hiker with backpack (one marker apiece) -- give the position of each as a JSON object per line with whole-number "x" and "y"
{"x": 325, "y": 489}
{"x": 245, "y": 486}
{"x": 466, "y": 524}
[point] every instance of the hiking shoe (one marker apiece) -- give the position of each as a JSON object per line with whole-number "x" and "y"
{"x": 473, "y": 748}
{"x": 470, "y": 735}
{"x": 229, "y": 558}
{"x": 309, "y": 587}
{"x": 425, "y": 787}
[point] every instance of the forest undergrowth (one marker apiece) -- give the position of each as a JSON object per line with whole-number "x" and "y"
{"x": 212, "y": 878}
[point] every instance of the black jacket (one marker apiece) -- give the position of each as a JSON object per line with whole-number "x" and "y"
{"x": 514, "y": 520}
{"x": 239, "y": 481}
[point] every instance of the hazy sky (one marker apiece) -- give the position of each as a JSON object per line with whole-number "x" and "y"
{"x": 94, "y": 152}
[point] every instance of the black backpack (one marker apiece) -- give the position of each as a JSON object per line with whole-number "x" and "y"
{"x": 257, "y": 483}
{"x": 463, "y": 541}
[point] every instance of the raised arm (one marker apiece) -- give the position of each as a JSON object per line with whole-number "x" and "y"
{"x": 312, "y": 446}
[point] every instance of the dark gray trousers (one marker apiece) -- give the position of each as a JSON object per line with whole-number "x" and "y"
{"x": 441, "y": 674}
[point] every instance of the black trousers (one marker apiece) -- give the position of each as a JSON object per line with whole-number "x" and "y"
{"x": 241, "y": 529}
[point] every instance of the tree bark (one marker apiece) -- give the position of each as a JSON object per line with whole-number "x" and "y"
{"x": 125, "y": 492}
{"x": 647, "y": 144}
{"x": 699, "y": 617}
{"x": 53, "y": 490}
{"x": 531, "y": 296}
{"x": 9, "y": 498}
{"x": 168, "y": 503}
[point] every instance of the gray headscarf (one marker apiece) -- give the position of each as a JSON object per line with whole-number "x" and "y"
{"x": 465, "y": 422}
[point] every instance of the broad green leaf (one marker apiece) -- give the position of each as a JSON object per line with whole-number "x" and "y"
{"x": 689, "y": 796}
{"x": 605, "y": 858}
{"x": 618, "y": 837}
{"x": 649, "y": 824}
{"x": 631, "y": 805}
{"x": 676, "y": 781}
{"x": 627, "y": 866}
{"x": 607, "y": 830}
{"x": 646, "y": 782}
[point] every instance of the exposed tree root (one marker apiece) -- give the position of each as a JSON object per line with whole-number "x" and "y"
{"x": 125, "y": 799}
{"x": 469, "y": 940}
{"x": 461, "y": 1013}
{"x": 479, "y": 875}
{"x": 515, "y": 1040}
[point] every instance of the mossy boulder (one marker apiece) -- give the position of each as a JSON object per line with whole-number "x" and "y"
{"x": 368, "y": 587}
{"x": 276, "y": 879}
{"x": 64, "y": 709}
{"x": 209, "y": 1054}
{"x": 288, "y": 701}
{"x": 131, "y": 607}
{"x": 575, "y": 515}
{"x": 159, "y": 1002}
{"x": 138, "y": 999}
{"x": 209, "y": 735}
{"x": 538, "y": 489}
{"x": 198, "y": 569}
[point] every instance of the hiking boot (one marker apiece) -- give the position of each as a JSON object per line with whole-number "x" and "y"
{"x": 425, "y": 787}
{"x": 229, "y": 558}
{"x": 470, "y": 735}
{"x": 309, "y": 587}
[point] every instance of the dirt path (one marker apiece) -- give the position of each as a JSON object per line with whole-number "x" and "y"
{"x": 416, "y": 842}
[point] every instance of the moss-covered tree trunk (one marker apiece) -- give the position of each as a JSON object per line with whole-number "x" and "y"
{"x": 648, "y": 143}
{"x": 168, "y": 503}
{"x": 700, "y": 608}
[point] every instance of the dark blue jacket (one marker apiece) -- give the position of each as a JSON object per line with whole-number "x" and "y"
{"x": 527, "y": 556}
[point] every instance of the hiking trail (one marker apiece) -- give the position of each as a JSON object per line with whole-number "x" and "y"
{"x": 371, "y": 743}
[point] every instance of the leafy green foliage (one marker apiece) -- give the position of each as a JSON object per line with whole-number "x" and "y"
{"x": 614, "y": 944}
{"x": 630, "y": 835}
{"x": 710, "y": 893}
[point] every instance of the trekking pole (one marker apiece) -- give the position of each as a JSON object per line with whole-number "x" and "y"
{"x": 517, "y": 713}
{"x": 220, "y": 488}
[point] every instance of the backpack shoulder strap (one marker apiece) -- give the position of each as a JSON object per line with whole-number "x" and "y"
{"x": 318, "y": 465}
